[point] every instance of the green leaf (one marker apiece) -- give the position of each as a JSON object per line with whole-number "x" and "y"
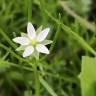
{"x": 4, "y": 65}
{"x": 39, "y": 29}
{"x": 48, "y": 87}
{"x": 2, "y": 33}
{"x": 88, "y": 76}
{"x": 15, "y": 75}
{"x": 20, "y": 48}
{"x": 23, "y": 34}
{"x": 73, "y": 34}
{"x": 28, "y": 93}
{"x": 46, "y": 42}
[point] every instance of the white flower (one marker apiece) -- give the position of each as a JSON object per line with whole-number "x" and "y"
{"x": 34, "y": 41}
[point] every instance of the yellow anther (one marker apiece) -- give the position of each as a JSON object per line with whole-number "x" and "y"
{"x": 34, "y": 42}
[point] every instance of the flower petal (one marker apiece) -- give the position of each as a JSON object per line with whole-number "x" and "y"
{"x": 31, "y": 31}
{"x": 43, "y": 34}
{"x": 21, "y": 40}
{"x": 42, "y": 49}
{"x": 28, "y": 51}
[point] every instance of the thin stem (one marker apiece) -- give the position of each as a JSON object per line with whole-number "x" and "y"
{"x": 13, "y": 53}
{"x": 2, "y": 33}
{"x": 54, "y": 39}
{"x": 37, "y": 82}
{"x": 29, "y": 10}
{"x": 74, "y": 35}
{"x": 56, "y": 35}
{"x": 57, "y": 76}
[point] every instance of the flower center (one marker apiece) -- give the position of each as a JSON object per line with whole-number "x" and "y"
{"x": 34, "y": 42}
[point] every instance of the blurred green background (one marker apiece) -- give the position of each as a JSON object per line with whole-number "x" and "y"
{"x": 63, "y": 65}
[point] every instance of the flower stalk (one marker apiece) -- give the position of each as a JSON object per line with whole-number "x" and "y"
{"x": 37, "y": 82}
{"x": 29, "y": 10}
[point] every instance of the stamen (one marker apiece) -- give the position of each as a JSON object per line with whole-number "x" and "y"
{"x": 34, "y": 42}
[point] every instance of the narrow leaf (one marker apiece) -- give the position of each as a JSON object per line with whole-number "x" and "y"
{"x": 47, "y": 86}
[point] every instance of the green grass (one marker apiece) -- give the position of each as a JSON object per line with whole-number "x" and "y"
{"x": 72, "y": 36}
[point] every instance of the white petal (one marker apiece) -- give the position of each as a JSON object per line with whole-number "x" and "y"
{"x": 28, "y": 51}
{"x": 43, "y": 34}
{"x": 31, "y": 31}
{"x": 21, "y": 40}
{"x": 42, "y": 49}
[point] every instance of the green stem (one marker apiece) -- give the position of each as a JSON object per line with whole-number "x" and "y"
{"x": 37, "y": 83}
{"x": 29, "y": 10}
{"x": 56, "y": 35}
{"x": 13, "y": 53}
{"x": 54, "y": 39}
{"x": 74, "y": 35}
{"x": 5, "y": 36}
